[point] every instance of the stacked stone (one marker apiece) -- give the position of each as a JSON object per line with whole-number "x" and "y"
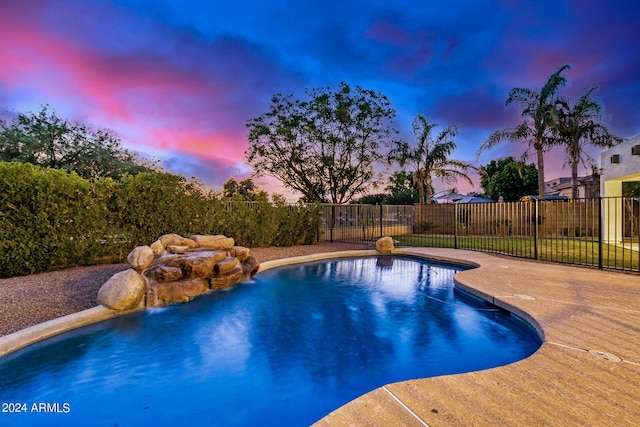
{"x": 175, "y": 269}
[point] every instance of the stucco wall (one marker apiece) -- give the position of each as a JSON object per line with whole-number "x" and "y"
{"x": 613, "y": 174}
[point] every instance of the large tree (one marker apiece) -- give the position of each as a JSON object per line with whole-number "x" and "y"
{"x": 47, "y": 140}
{"x": 508, "y": 178}
{"x": 245, "y": 189}
{"x": 539, "y": 110}
{"x": 325, "y": 146}
{"x": 429, "y": 157}
{"x": 401, "y": 190}
{"x": 578, "y": 126}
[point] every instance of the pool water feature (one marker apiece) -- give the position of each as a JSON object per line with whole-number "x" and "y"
{"x": 286, "y": 349}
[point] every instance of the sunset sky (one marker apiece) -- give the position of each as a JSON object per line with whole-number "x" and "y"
{"x": 178, "y": 80}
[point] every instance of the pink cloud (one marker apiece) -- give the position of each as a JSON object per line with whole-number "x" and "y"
{"x": 227, "y": 147}
{"x": 182, "y": 102}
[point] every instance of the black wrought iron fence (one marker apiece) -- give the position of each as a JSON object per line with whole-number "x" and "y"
{"x": 365, "y": 223}
{"x": 595, "y": 232}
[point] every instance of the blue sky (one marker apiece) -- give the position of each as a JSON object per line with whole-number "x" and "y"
{"x": 178, "y": 80}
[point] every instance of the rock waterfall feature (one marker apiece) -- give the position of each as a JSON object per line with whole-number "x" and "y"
{"x": 175, "y": 269}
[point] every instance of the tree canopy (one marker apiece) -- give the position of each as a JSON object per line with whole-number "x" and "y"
{"x": 245, "y": 189}
{"x": 579, "y": 126}
{"x": 401, "y": 190}
{"x": 539, "y": 110}
{"x": 47, "y": 140}
{"x": 430, "y": 157}
{"x": 325, "y": 146}
{"x": 508, "y": 178}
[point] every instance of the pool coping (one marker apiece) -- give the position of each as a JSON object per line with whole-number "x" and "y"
{"x": 513, "y": 394}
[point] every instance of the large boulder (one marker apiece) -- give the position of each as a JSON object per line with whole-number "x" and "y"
{"x": 225, "y": 280}
{"x": 180, "y": 291}
{"x": 158, "y": 248}
{"x": 197, "y": 264}
{"x": 217, "y": 242}
{"x": 225, "y": 265}
{"x": 123, "y": 291}
{"x": 239, "y": 252}
{"x": 141, "y": 258}
{"x": 384, "y": 245}
{"x": 163, "y": 273}
{"x": 176, "y": 240}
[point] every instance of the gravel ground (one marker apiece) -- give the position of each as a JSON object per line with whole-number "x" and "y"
{"x": 28, "y": 300}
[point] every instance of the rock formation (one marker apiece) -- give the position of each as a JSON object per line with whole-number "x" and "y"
{"x": 175, "y": 269}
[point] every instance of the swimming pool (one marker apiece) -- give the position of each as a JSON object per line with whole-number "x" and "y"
{"x": 296, "y": 343}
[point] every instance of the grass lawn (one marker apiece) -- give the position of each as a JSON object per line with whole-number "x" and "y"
{"x": 560, "y": 249}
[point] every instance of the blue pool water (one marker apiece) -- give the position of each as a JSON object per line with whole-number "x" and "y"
{"x": 286, "y": 349}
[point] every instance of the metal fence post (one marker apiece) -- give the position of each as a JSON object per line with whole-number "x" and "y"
{"x": 455, "y": 226}
{"x": 332, "y": 222}
{"x": 600, "y": 225}
{"x": 535, "y": 229}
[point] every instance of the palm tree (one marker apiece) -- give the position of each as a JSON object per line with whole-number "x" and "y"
{"x": 429, "y": 157}
{"x": 539, "y": 110}
{"x": 579, "y": 127}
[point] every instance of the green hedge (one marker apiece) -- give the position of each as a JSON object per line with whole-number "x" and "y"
{"x": 52, "y": 219}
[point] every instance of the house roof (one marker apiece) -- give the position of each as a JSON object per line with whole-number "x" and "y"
{"x": 449, "y": 198}
{"x": 561, "y": 183}
{"x": 475, "y": 199}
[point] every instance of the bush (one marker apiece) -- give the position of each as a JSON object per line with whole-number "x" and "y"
{"x": 48, "y": 218}
{"x": 54, "y": 219}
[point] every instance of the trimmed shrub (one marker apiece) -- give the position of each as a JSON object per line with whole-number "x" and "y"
{"x": 48, "y": 218}
{"x": 55, "y": 219}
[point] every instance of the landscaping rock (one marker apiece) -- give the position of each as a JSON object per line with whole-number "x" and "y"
{"x": 218, "y": 242}
{"x": 384, "y": 245}
{"x": 141, "y": 258}
{"x": 226, "y": 280}
{"x": 176, "y": 240}
{"x": 163, "y": 273}
{"x": 225, "y": 265}
{"x": 180, "y": 291}
{"x": 239, "y": 252}
{"x": 158, "y": 248}
{"x": 197, "y": 264}
{"x": 123, "y": 291}
{"x": 177, "y": 249}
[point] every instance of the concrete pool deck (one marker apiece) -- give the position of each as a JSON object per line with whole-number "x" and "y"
{"x": 587, "y": 371}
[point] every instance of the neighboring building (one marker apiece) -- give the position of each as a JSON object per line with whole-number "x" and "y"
{"x": 550, "y": 186}
{"x": 459, "y": 198}
{"x": 588, "y": 187}
{"x": 449, "y": 198}
{"x": 475, "y": 199}
{"x": 619, "y": 164}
